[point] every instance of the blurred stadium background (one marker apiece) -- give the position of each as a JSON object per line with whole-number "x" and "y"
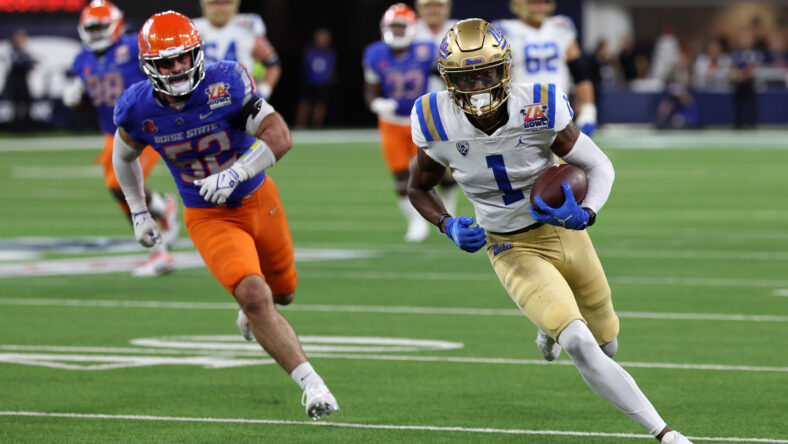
{"x": 694, "y": 241}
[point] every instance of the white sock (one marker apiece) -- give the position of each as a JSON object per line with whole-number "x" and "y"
{"x": 157, "y": 205}
{"x": 607, "y": 378}
{"x": 304, "y": 375}
{"x": 407, "y": 209}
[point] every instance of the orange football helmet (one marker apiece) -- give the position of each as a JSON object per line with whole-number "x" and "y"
{"x": 100, "y": 25}
{"x": 399, "y": 14}
{"x": 169, "y": 35}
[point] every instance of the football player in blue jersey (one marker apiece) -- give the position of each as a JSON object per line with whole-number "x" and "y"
{"x": 105, "y": 67}
{"x": 396, "y": 72}
{"x": 218, "y": 137}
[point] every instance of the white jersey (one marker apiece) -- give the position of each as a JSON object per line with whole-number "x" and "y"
{"x": 539, "y": 54}
{"x": 233, "y": 41}
{"x": 495, "y": 172}
{"x": 424, "y": 33}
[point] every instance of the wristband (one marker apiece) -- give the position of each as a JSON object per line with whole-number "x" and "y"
{"x": 440, "y": 221}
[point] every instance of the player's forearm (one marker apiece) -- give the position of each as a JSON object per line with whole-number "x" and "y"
{"x": 129, "y": 173}
{"x": 272, "y": 75}
{"x": 598, "y": 168}
{"x": 428, "y": 204}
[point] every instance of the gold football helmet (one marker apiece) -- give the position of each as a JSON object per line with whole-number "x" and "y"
{"x": 433, "y": 12}
{"x": 532, "y": 11}
{"x": 475, "y": 61}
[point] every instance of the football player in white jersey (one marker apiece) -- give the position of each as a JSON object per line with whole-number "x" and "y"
{"x": 497, "y": 137}
{"x": 228, "y": 35}
{"x": 545, "y": 49}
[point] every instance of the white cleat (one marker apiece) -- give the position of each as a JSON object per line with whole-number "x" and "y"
{"x": 547, "y": 345}
{"x": 674, "y": 437}
{"x": 319, "y": 401}
{"x": 418, "y": 230}
{"x": 169, "y": 221}
{"x": 243, "y": 324}
{"x": 158, "y": 263}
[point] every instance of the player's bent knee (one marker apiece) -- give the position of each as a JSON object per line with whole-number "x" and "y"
{"x": 253, "y": 294}
{"x": 610, "y": 348}
{"x": 576, "y": 338}
{"x": 284, "y": 299}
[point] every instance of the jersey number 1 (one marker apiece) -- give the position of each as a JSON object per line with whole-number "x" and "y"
{"x": 510, "y": 196}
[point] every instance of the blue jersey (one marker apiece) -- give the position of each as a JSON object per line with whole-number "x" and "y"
{"x": 402, "y": 77}
{"x": 202, "y": 138}
{"x": 107, "y": 76}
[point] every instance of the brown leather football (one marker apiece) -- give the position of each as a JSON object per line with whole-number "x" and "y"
{"x": 548, "y": 185}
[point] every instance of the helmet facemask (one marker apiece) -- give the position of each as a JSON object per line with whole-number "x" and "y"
{"x": 99, "y": 35}
{"x": 398, "y": 35}
{"x": 179, "y": 84}
{"x": 479, "y": 91}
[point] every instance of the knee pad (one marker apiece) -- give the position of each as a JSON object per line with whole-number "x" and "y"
{"x": 610, "y": 348}
{"x": 576, "y": 337}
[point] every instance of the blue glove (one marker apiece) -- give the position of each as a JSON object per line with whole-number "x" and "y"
{"x": 468, "y": 238}
{"x": 569, "y": 215}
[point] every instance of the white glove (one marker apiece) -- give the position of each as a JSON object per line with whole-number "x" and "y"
{"x": 265, "y": 90}
{"x": 72, "y": 93}
{"x": 216, "y": 188}
{"x": 146, "y": 230}
{"x": 586, "y": 118}
{"x": 384, "y": 107}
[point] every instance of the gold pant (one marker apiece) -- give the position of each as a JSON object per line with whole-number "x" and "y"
{"x": 555, "y": 277}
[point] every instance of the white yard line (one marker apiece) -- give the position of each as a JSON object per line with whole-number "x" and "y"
{"x": 185, "y": 305}
{"x": 371, "y": 426}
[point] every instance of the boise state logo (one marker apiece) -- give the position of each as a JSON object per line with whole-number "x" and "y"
{"x": 218, "y": 95}
{"x": 149, "y": 127}
{"x": 463, "y": 147}
{"x": 535, "y": 116}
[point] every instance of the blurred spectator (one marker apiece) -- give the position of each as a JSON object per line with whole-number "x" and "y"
{"x": 666, "y": 54}
{"x": 603, "y": 74}
{"x": 626, "y": 59}
{"x": 678, "y": 109}
{"x": 745, "y": 59}
{"x": 319, "y": 61}
{"x": 760, "y": 38}
{"x": 16, "y": 82}
{"x": 712, "y": 68}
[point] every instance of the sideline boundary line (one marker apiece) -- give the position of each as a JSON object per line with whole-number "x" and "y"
{"x": 371, "y": 426}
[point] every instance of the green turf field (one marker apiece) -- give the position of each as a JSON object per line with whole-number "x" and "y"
{"x": 427, "y": 346}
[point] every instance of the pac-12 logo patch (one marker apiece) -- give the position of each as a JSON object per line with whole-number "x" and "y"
{"x": 149, "y": 127}
{"x": 463, "y": 147}
{"x": 218, "y": 95}
{"x": 535, "y": 116}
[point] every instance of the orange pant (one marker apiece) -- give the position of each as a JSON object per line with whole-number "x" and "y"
{"x": 397, "y": 146}
{"x": 252, "y": 239}
{"x": 148, "y": 160}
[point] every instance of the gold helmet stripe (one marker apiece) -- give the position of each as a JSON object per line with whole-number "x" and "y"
{"x": 430, "y": 118}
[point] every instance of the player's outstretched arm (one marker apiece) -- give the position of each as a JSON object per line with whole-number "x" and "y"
{"x": 425, "y": 175}
{"x": 125, "y": 151}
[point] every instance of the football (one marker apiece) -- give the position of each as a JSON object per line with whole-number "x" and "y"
{"x": 548, "y": 185}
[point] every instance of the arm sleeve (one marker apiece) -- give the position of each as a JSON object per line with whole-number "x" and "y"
{"x": 129, "y": 174}
{"x": 598, "y": 168}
